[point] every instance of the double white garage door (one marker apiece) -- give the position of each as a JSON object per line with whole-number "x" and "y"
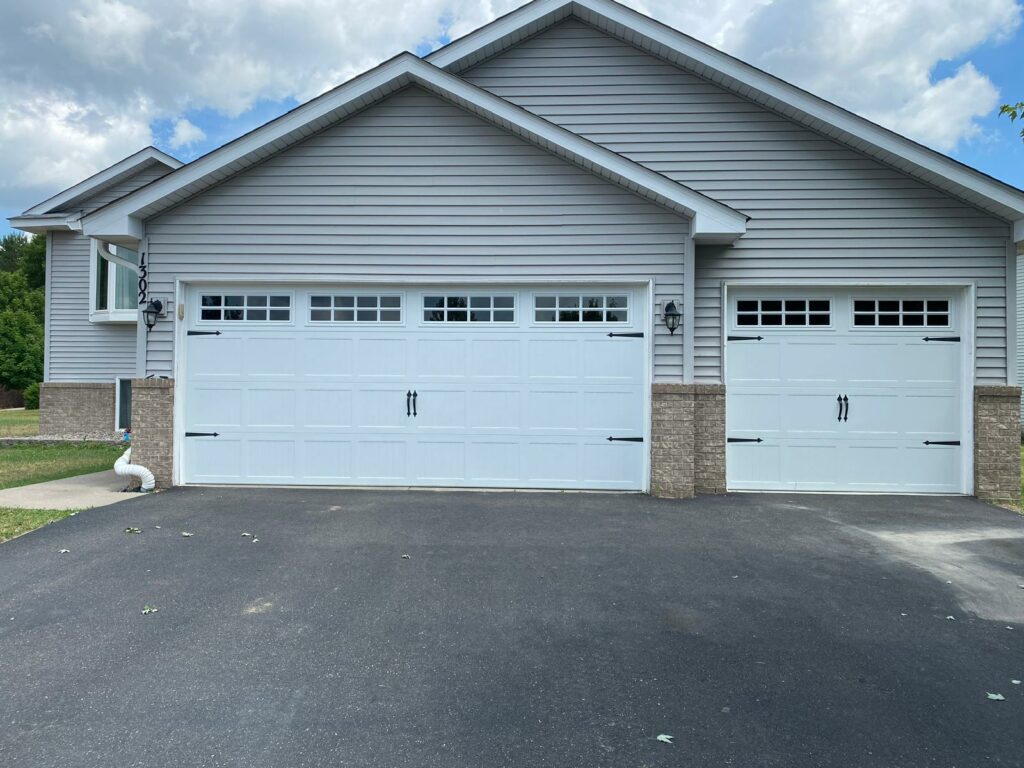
{"x": 845, "y": 390}
{"x": 503, "y": 387}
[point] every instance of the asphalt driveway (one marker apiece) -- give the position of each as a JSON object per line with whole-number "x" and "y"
{"x": 522, "y": 629}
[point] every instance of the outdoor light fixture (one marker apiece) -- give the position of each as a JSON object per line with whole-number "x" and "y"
{"x": 153, "y": 310}
{"x": 671, "y": 317}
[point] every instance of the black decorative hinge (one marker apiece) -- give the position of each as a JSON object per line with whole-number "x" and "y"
{"x": 626, "y": 335}
{"x": 202, "y": 434}
{"x": 744, "y": 338}
{"x": 942, "y": 338}
{"x": 202, "y": 333}
{"x": 744, "y": 440}
{"x": 942, "y": 442}
{"x": 625, "y": 439}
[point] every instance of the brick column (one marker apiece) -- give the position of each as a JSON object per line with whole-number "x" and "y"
{"x": 82, "y": 410}
{"x": 997, "y": 443}
{"x": 709, "y": 438}
{"x": 153, "y": 427}
{"x": 672, "y": 441}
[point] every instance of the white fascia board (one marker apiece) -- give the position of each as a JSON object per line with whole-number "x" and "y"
{"x": 853, "y": 127}
{"x": 39, "y": 225}
{"x": 120, "y": 168}
{"x": 122, "y": 220}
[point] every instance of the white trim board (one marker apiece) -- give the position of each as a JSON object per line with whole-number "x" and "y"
{"x": 828, "y": 119}
{"x": 122, "y": 221}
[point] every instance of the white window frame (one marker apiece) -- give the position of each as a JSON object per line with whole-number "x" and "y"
{"x": 106, "y": 315}
{"x": 356, "y": 296}
{"x": 448, "y": 292}
{"x": 782, "y": 297}
{"x": 602, "y": 323}
{"x": 117, "y": 402}
{"x": 245, "y": 291}
{"x": 951, "y": 318}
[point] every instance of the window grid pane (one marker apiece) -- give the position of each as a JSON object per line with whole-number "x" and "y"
{"x": 236, "y": 307}
{"x": 788, "y": 312}
{"x": 580, "y": 308}
{"x": 350, "y": 308}
{"x": 465, "y": 308}
{"x": 901, "y": 313}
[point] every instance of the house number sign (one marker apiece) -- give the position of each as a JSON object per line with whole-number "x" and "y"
{"x": 143, "y": 282}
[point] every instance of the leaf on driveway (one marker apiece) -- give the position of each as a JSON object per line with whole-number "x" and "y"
{"x": 63, "y": 551}
{"x": 407, "y": 557}
{"x": 664, "y": 738}
{"x": 186, "y": 534}
{"x": 130, "y": 529}
{"x": 951, "y": 618}
{"x": 246, "y": 533}
{"x": 996, "y": 697}
{"x": 1015, "y": 682}
{"x": 254, "y": 539}
{"x": 148, "y": 609}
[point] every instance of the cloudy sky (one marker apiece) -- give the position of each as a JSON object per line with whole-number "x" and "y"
{"x": 85, "y": 82}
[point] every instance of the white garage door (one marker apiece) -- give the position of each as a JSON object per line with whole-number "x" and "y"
{"x": 844, "y": 390}
{"x": 434, "y": 386}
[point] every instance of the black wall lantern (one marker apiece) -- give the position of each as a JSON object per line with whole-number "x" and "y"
{"x": 153, "y": 310}
{"x": 671, "y": 317}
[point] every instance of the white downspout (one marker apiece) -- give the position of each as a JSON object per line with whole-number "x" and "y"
{"x": 124, "y": 468}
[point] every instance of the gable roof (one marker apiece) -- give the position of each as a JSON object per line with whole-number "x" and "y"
{"x": 927, "y": 165}
{"x": 122, "y": 219}
{"x": 56, "y": 212}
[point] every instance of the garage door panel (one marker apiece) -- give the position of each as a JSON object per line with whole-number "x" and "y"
{"x": 326, "y": 461}
{"x": 326, "y": 358}
{"x": 214, "y": 406}
{"x": 325, "y": 402}
{"x": 893, "y": 389}
{"x": 212, "y": 357}
{"x": 271, "y": 460}
{"x": 270, "y": 407}
{"x": 272, "y": 358}
{"x": 327, "y": 408}
{"x": 440, "y": 358}
{"x": 381, "y": 357}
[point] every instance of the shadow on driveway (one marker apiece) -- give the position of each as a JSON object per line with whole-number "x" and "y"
{"x": 526, "y": 629}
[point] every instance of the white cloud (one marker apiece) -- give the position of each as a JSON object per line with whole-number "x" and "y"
{"x": 185, "y": 134}
{"x": 82, "y": 80}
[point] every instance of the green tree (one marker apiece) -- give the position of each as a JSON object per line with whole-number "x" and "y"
{"x": 21, "y": 331}
{"x": 1014, "y": 111}
{"x": 33, "y": 262}
{"x": 12, "y": 249}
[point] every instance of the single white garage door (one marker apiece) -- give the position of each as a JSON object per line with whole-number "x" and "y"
{"x": 433, "y": 386}
{"x": 857, "y": 390}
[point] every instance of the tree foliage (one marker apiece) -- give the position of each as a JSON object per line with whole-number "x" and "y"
{"x": 1014, "y": 111}
{"x": 22, "y": 309}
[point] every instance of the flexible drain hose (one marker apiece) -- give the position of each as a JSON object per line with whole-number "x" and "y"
{"x": 124, "y": 468}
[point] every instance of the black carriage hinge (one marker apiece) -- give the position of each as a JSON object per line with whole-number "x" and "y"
{"x": 744, "y": 338}
{"x": 744, "y": 440}
{"x": 942, "y": 442}
{"x": 942, "y": 338}
{"x": 627, "y": 335}
{"x": 202, "y": 333}
{"x": 625, "y": 439}
{"x": 202, "y": 434}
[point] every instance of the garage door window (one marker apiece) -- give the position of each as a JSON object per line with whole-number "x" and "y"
{"x": 901, "y": 313}
{"x": 787, "y": 312}
{"x": 246, "y": 307}
{"x": 576, "y": 308}
{"x": 355, "y": 309}
{"x": 469, "y": 309}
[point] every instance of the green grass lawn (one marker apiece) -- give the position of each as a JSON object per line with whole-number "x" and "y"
{"x": 19, "y": 423}
{"x": 27, "y": 464}
{"x": 14, "y": 522}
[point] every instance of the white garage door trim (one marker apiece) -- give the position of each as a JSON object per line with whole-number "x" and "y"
{"x": 964, "y": 294}
{"x": 186, "y": 286}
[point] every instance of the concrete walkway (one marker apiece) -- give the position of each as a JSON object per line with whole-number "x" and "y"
{"x": 83, "y": 492}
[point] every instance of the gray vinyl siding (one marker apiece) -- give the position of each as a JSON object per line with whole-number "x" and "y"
{"x": 1020, "y": 322}
{"x": 414, "y": 187}
{"x": 78, "y": 349}
{"x": 818, "y": 210}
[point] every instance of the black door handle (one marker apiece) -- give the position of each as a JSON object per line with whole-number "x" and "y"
{"x": 408, "y": 397}
{"x": 839, "y": 400}
{"x": 414, "y": 402}
{"x": 846, "y": 402}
